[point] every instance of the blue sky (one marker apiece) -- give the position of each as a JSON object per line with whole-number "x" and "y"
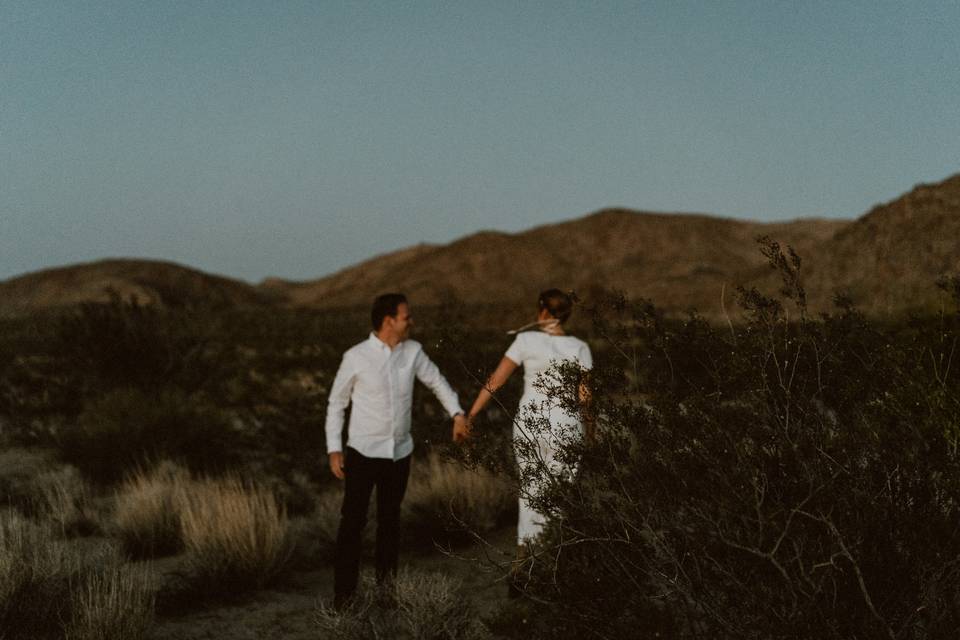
{"x": 292, "y": 139}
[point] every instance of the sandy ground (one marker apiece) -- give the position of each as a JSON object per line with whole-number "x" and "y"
{"x": 286, "y": 612}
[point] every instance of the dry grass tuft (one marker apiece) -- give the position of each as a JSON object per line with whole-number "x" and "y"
{"x": 35, "y": 573}
{"x": 38, "y": 576}
{"x": 65, "y": 497}
{"x": 419, "y": 605}
{"x": 115, "y": 603}
{"x": 444, "y": 497}
{"x": 146, "y": 516}
{"x": 430, "y": 606}
{"x": 234, "y": 532}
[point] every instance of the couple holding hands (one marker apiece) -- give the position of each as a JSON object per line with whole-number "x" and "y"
{"x": 376, "y": 380}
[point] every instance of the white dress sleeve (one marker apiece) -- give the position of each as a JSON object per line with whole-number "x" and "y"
{"x": 516, "y": 350}
{"x": 584, "y": 357}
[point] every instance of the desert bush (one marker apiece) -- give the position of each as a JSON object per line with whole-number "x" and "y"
{"x": 18, "y": 469}
{"x": 128, "y": 428}
{"x": 114, "y": 603}
{"x": 125, "y": 344}
{"x": 146, "y": 514}
{"x": 235, "y": 534}
{"x": 416, "y": 606}
{"x": 772, "y": 478}
{"x": 38, "y": 486}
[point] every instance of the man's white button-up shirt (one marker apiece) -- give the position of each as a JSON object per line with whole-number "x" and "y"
{"x": 379, "y": 382}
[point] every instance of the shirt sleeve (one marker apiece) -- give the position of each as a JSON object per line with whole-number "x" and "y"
{"x": 515, "y": 352}
{"x": 337, "y": 403}
{"x": 430, "y": 375}
{"x": 585, "y": 357}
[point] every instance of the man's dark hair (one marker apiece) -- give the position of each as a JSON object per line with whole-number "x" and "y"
{"x": 558, "y": 303}
{"x": 385, "y": 305}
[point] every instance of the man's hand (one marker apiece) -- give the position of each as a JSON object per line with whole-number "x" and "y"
{"x": 336, "y": 464}
{"x": 461, "y": 428}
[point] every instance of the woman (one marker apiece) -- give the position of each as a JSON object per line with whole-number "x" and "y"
{"x": 538, "y": 351}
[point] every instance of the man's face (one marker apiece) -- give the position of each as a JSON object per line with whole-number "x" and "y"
{"x": 402, "y": 323}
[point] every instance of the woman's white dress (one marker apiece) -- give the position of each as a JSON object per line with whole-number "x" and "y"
{"x": 537, "y": 352}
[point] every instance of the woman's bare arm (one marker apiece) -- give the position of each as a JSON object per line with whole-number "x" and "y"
{"x": 586, "y": 407}
{"x": 496, "y": 380}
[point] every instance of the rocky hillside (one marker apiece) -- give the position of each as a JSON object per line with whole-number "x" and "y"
{"x": 680, "y": 261}
{"x": 151, "y": 282}
{"x": 888, "y": 260}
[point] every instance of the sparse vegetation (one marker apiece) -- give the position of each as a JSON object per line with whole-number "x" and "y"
{"x": 129, "y": 427}
{"x": 113, "y": 603}
{"x": 65, "y": 498}
{"x": 781, "y": 476}
{"x": 37, "y": 576}
{"x": 445, "y": 501}
{"x": 776, "y": 478}
{"x": 416, "y": 606}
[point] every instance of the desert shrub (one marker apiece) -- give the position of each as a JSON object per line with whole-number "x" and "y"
{"x": 38, "y": 486}
{"x": 114, "y": 603}
{"x": 235, "y": 534}
{"x": 18, "y": 469}
{"x": 146, "y": 514}
{"x": 416, "y": 606}
{"x": 128, "y": 428}
{"x": 125, "y": 344}
{"x": 773, "y": 478}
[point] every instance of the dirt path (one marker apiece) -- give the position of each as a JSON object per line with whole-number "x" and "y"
{"x": 287, "y": 612}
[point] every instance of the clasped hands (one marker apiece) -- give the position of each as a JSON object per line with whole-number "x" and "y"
{"x": 461, "y": 427}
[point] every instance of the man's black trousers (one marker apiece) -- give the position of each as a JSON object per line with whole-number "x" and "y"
{"x": 362, "y": 475}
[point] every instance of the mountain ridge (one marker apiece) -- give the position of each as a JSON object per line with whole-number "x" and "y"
{"x": 887, "y": 260}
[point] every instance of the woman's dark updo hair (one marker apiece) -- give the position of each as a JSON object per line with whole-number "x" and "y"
{"x": 557, "y": 303}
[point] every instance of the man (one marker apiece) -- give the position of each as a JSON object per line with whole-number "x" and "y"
{"x": 376, "y": 377}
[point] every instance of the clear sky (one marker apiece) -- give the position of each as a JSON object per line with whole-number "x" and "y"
{"x": 292, "y": 139}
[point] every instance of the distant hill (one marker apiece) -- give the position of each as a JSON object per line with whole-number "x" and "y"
{"x": 887, "y": 260}
{"x": 151, "y": 282}
{"x": 678, "y": 260}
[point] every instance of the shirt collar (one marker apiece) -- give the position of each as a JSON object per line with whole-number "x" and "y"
{"x": 377, "y": 343}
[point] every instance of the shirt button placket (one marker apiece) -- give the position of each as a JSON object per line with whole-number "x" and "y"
{"x": 392, "y": 378}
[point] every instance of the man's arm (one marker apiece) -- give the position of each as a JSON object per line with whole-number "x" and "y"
{"x": 336, "y": 405}
{"x": 430, "y": 375}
